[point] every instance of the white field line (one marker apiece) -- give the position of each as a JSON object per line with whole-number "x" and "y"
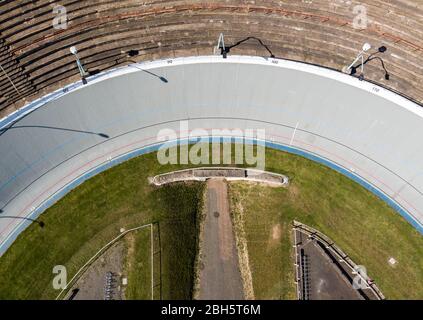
{"x": 294, "y": 134}
{"x": 98, "y": 252}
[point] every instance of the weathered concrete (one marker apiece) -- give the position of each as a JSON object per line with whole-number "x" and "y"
{"x": 230, "y": 174}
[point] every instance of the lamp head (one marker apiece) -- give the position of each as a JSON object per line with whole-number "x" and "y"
{"x": 366, "y": 47}
{"x": 73, "y": 50}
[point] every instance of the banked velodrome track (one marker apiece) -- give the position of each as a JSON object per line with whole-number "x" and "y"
{"x": 366, "y": 132}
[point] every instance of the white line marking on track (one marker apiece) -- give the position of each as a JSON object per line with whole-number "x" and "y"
{"x": 294, "y": 133}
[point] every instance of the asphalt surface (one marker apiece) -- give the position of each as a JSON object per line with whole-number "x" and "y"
{"x": 220, "y": 278}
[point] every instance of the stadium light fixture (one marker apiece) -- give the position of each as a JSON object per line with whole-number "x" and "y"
{"x": 81, "y": 69}
{"x": 366, "y": 47}
{"x": 221, "y": 46}
{"x": 224, "y": 50}
{"x": 371, "y": 57}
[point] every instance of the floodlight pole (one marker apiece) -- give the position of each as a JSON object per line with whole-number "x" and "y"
{"x": 371, "y": 57}
{"x": 224, "y": 50}
{"x": 360, "y": 56}
{"x": 221, "y": 45}
{"x": 11, "y": 81}
{"x": 81, "y": 69}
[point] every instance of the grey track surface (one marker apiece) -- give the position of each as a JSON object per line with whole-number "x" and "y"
{"x": 345, "y": 121}
{"x": 220, "y": 278}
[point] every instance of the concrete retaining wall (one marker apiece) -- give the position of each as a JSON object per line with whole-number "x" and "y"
{"x": 230, "y": 174}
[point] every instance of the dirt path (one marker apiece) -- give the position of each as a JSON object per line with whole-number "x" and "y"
{"x": 220, "y": 277}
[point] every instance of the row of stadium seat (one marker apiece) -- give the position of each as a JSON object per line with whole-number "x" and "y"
{"x": 37, "y": 58}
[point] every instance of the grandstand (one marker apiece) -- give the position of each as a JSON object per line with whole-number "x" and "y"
{"x": 36, "y": 56}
